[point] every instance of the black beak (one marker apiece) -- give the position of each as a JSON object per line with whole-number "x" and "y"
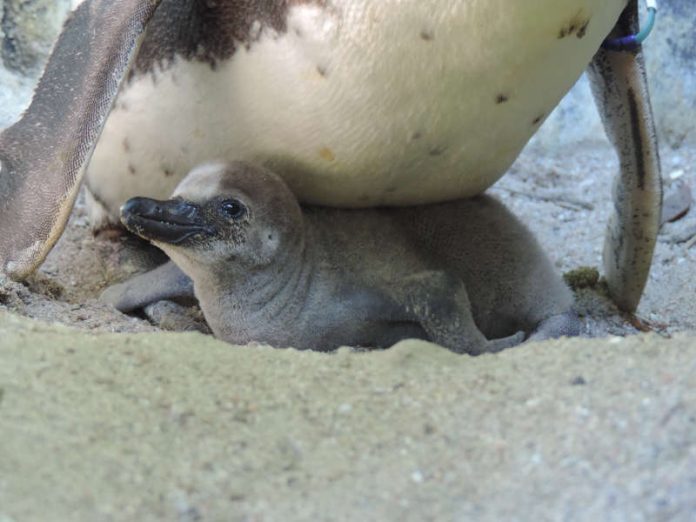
{"x": 173, "y": 221}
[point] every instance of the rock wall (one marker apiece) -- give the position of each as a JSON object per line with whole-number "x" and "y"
{"x": 27, "y": 31}
{"x": 29, "y": 28}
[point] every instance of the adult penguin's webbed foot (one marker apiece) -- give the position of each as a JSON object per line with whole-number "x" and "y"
{"x": 44, "y": 155}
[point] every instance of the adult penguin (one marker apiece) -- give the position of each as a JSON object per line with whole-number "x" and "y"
{"x": 352, "y": 102}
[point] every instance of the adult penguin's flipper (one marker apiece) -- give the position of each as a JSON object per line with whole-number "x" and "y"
{"x": 44, "y": 155}
{"x": 620, "y": 87}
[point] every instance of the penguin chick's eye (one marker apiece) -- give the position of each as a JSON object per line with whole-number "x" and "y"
{"x": 233, "y": 209}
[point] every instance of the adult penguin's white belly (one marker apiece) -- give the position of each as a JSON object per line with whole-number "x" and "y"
{"x": 358, "y": 102}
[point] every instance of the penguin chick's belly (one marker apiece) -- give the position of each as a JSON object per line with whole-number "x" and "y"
{"x": 359, "y": 103}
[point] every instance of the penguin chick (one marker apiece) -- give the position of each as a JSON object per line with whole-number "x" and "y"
{"x": 464, "y": 274}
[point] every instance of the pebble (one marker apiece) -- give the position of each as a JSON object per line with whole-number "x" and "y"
{"x": 677, "y": 201}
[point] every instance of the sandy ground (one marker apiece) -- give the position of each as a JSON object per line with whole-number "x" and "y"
{"x": 564, "y": 196}
{"x": 158, "y": 426}
{"x": 114, "y": 427}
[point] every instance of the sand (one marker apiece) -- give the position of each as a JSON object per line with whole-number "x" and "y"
{"x": 177, "y": 426}
{"x": 183, "y": 427}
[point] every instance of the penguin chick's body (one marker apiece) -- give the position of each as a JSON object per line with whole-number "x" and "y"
{"x": 465, "y": 274}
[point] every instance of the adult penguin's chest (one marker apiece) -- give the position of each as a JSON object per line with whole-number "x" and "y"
{"x": 354, "y": 102}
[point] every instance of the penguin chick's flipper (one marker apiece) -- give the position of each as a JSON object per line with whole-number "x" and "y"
{"x": 561, "y": 325}
{"x": 620, "y": 88}
{"x": 164, "y": 282}
{"x": 438, "y": 301}
{"x": 44, "y": 155}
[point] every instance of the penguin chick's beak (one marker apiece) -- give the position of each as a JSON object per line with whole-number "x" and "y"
{"x": 173, "y": 221}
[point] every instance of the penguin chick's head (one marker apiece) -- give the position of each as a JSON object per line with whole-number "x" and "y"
{"x": 234, "y": 212}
